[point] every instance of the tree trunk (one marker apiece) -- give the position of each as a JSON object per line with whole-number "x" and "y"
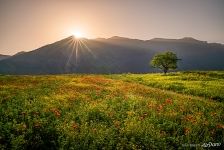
{"x": 165, "y": 70}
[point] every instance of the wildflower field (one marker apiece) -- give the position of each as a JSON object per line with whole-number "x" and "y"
{"x": 123, "y": 111}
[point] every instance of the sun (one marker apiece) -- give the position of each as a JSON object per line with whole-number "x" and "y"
{"x": 77, "y": 34}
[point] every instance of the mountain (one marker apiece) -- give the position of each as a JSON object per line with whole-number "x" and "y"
{"x": 19, "y": 53}
{"x": 195, "y": 54}
{"x": 113, "y": 55}
{"x": 3, "y": 56}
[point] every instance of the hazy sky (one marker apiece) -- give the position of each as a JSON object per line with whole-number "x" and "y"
{"x": 28, "y": 24}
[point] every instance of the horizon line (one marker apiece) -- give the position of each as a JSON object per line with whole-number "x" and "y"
{"x": 130, "y": 38}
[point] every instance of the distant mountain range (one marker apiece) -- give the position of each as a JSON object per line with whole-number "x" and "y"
{"x": 112, "y": 55}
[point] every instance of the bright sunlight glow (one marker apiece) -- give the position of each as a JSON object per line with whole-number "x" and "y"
{"x": 77, "y": 34}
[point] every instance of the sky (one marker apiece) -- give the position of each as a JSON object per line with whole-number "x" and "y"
{"x": 29, "y": 24}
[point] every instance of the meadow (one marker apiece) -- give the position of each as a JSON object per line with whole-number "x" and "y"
{"x": 123, "y": 111}
{"x": 204, "y": 84}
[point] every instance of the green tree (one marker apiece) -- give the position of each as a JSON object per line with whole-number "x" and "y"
{"x": 165, "y": 61}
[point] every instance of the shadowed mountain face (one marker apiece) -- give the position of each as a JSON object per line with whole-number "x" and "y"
{"x": 113, "y": 55}
{"x": 3, "y": 56}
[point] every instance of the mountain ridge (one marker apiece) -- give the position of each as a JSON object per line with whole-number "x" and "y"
{"x": 112, "y": 55}
{"x": 4, "y": 56}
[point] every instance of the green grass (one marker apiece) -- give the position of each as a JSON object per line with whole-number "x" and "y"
{"x": 111, "y": 111}
{"x": 204, "y": 84}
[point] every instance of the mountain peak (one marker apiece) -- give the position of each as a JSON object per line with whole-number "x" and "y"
{"x": 117, "y": 38}
{"x": 191, "y": 40}
{"x": 162, "y": 40}
{"x": 19, "y": 53}
{"x": 188, "y": 38}
{"x": 185, "y": 39}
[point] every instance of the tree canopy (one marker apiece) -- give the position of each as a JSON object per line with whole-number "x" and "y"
{"x": 165, "y": 61}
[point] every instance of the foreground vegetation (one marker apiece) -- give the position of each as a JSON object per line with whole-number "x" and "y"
{"x": 208, "y": 84}
{"x": 111, "y": 111}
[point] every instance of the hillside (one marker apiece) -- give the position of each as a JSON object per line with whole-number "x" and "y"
{"x": 112, "y": 55}
{"x": 3, "y": 56}
{"x": 111, "y": 111}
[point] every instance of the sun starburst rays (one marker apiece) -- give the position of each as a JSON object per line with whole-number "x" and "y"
{"x": 77, "y": 45}
{"x": 68, "y": 63}
{"x": 89, "y": 50}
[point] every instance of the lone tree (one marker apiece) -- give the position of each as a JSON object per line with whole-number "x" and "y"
{"x": 165, "y": 61}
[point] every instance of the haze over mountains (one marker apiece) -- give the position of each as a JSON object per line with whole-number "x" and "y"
{"x": 112, "y": 55}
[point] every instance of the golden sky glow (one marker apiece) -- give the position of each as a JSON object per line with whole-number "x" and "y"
{"x": 77, "y": 33}
{"x": 26, "y": 25}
